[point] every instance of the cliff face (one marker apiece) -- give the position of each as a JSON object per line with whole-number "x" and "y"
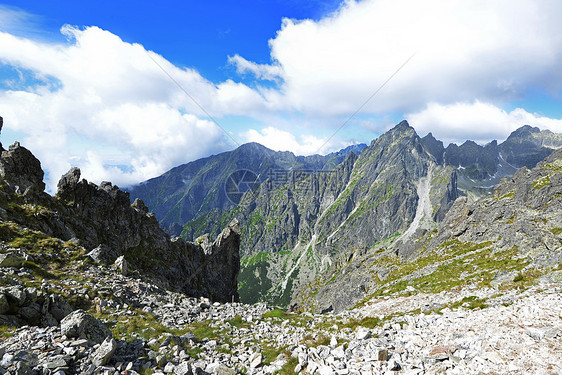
{"x": 297, "y": 227}
{"x": 101, "y": 220}
{"x": 512, "y": 238}
{"x": 197, "y": 188}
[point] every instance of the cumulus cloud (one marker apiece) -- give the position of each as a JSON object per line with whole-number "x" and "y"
{"x": 482, "y": 122}
{"x": 491, "y": 51}
{"x": 96, "y": 98}
{"x": 281, "y": 140}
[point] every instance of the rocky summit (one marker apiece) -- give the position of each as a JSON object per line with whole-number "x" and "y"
{"x": 453, "y": 284}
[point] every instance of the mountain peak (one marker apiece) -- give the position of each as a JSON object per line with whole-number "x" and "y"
{"x": 402, "y": 125}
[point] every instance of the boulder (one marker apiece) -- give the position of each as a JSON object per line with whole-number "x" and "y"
{"x": 80, "y": 324}
{"x": 103, "y": 354}
{"x": 103, "y": 254}
{"x": 121, "y": 265}
{"x": 21, "y": 170}
{"x": 10, "y": 260}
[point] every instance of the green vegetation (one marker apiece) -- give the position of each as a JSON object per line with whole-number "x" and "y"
{"x": 368, "y": 322}
{"x": 541, "y": 182}
{"x": 472, "y": 303}
{"x": 511, "y": 194}
{"x": 458, "y": 264}
{"x": 7, "y": 331}
{"x": 556, "y": 231}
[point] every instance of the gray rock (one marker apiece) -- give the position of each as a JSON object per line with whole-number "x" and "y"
{"x": 256, "y": 360}
{"x": 103, "y": 354}
{"x": 103, "y": 254}
{"x": 10, "y": 260}
{"x": 362, "y": 333}
{"x": 82, "y": 325}
{"x": 4, "y": 305}
{"x": 122, "y": 265}
{"x": 541, "y": 333}
{"x": 219, "y": 369}
{"x": 183, "y": 368}
{"x": 21, "y": 171}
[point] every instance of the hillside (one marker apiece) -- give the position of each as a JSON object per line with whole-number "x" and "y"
{"x": 295, "y": 230}
{"x": 512, "y": 237}
{"x": 194, "y": 189}
{"x": 83, "y": 218}
{"x": 478, "y": 293}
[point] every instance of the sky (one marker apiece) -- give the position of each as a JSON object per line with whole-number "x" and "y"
{"x": 127, "y": 90}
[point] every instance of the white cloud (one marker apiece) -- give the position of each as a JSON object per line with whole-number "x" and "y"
{"x": 487, "y": 50}
{"x": 105, "y": 94}
{"x": 481, "y": 122}
{"x": 281, "y": 140}
{"x": 261, "y": 71}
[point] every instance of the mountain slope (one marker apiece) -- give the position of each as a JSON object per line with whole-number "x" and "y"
{"x": 294, "y": 231}
{"x": 100, "y": 220}
{"x": 511, "y": 238}
{"x": 196, "y": 188}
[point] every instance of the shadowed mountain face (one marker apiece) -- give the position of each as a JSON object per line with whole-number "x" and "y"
{"x": 101, "y": 221}
{"x": 317, "y": 212}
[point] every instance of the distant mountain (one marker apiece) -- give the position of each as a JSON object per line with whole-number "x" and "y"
{"x": 319, "y": 211}
{"x": 480, "y": 168}
{"x": 196, "y": 188}
{"x": 293, "y": 232}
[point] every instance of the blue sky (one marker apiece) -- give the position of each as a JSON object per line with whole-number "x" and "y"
{"x": 127, "y": 90}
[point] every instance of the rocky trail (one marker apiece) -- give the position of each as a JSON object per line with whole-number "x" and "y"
{"x": 130, "y": 326}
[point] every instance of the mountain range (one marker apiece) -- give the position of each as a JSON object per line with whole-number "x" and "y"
{"x": 305, "y": 216}
{"x": 387, "y": 264}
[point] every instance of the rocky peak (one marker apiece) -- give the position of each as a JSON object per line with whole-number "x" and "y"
{"x": 106, "y": 225}
{"x": 21, "y": 171}
{"x": 434, "y": 147}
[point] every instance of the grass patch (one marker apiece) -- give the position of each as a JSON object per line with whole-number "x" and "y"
{"x": 368, "y": 322}
{"x": 238, "y": 322}
{"x": 556, "y": 231}
{"x": 7, "y": 331}
{"x": 289, "y": 367}
{"x": 471, "y": 302}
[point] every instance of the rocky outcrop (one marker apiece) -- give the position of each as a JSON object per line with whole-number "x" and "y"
{"x": 116, "y": 228}
{"x": 102, "y": 220}
{"x": 30, "y": 306}
{"x": 21, "y": 171}
{"x": 519, "y": 228}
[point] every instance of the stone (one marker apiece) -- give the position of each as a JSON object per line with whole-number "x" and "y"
{"x": 79, "y": 324}
{"x": 58, "y": 307}
{"x": 121, "y": 265}
{"x": 10, "y": 260}
{"x": 27, "y": 357}
{"x": 362, "y": 333}
{"x": 394, "y": 366}
{"x": 103, "y": 254}
{"x": 103, "y": 354}
{"x": 169, "y": 367}
{"x": 219, "y": 369}
{"x": 183, "y": 368}
{"x": 382, "y": 355}
{"x": 55, "y": 363}
{"x": 440, "y": 353}
{"x": 21, "y": 171}
{"x": 541, "y": 333}
{"x": 4, "y": 305}
{"x": 256, "y": 360}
